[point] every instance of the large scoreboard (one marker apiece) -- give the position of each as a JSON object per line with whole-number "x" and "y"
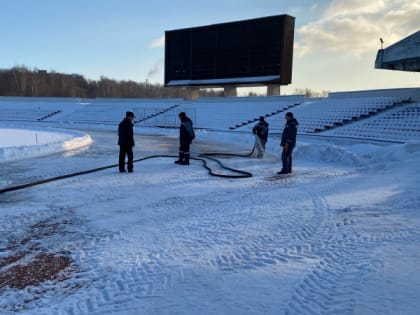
{"x": 248, "y": 52}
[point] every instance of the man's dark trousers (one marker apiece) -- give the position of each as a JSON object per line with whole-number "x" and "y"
{"x": 286, "y": 158}
{"x": 126, "y": 150}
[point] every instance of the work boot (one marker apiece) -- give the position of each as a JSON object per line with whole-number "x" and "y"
{"x": 186, "y": 160}
{"x": 181, "y": 157}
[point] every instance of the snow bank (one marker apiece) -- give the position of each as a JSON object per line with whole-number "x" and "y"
{"x": 359, "y": 154}
{"x": 326, "y": 152}
{"x": 16, "y": 144}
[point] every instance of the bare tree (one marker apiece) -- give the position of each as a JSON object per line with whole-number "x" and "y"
{"x": 20, "y": 81}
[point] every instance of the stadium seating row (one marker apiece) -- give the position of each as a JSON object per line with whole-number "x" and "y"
{"x": 378, "y": 117}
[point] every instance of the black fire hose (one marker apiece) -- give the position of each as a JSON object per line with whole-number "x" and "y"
{"x": 202, "y": 157}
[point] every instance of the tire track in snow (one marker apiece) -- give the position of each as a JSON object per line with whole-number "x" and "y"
{"x": 146, "y": 278}
{"x": 52, "y": 231}
{"x": 286, "y": 242}
{"x": 278, "y": 232}
{"x": 228, "y": 235}
{"x": 346, "y": 258}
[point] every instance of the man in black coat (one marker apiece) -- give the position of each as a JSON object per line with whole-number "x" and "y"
{"x": 126, "y": 142}
{"x": 186, "y": 135}
{"x": 288, "y": 142}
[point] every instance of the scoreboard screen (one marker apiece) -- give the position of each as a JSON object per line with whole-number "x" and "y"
{"x": 249, "y": 52}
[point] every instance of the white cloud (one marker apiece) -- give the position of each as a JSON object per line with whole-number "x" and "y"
{"x": 158, "y": 42}
{"x": 355, "y": 26}
{"x": 355, "y": 7}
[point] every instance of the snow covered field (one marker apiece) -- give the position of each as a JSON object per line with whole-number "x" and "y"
{"x": 339, "y": 236}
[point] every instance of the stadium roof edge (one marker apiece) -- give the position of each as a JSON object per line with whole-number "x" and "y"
{"x": 403, "y": 55}
{"x": 231, "y": 22}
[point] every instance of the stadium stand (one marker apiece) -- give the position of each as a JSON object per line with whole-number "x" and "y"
{"x": 227, "y": 113}
{"x": 399, "y": 124}
{"x": 111, "y": 111}
{"x": 401, "y": 93}
{"x": 389, "y": 115}
{"x": 33, "y": 109}
{"x": 316, "y": 115}
{"x": 27, "y": 114}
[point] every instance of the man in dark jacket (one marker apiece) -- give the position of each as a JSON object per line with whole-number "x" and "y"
{"x": 186, "y": 135}
{"x": 126, "y": 142}
{"x": 288, "y": 142}
{"x": 260, "y": 131}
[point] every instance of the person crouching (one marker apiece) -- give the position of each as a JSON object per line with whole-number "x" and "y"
{"x": 260, "y": 132}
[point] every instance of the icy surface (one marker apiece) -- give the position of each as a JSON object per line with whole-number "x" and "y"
{"x": 339, "y": 236}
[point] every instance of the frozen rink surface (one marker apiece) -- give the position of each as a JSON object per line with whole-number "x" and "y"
{"x": 338, "y": 236}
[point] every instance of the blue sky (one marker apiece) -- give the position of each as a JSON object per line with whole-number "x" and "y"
{"x": 335, "y": 40}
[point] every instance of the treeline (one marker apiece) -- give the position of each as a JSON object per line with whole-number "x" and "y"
{"x": 311, "y": 93}
{"x": 21, "y": 81}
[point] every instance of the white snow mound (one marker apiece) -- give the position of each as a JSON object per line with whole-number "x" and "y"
{"x": 17, "y": 143}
